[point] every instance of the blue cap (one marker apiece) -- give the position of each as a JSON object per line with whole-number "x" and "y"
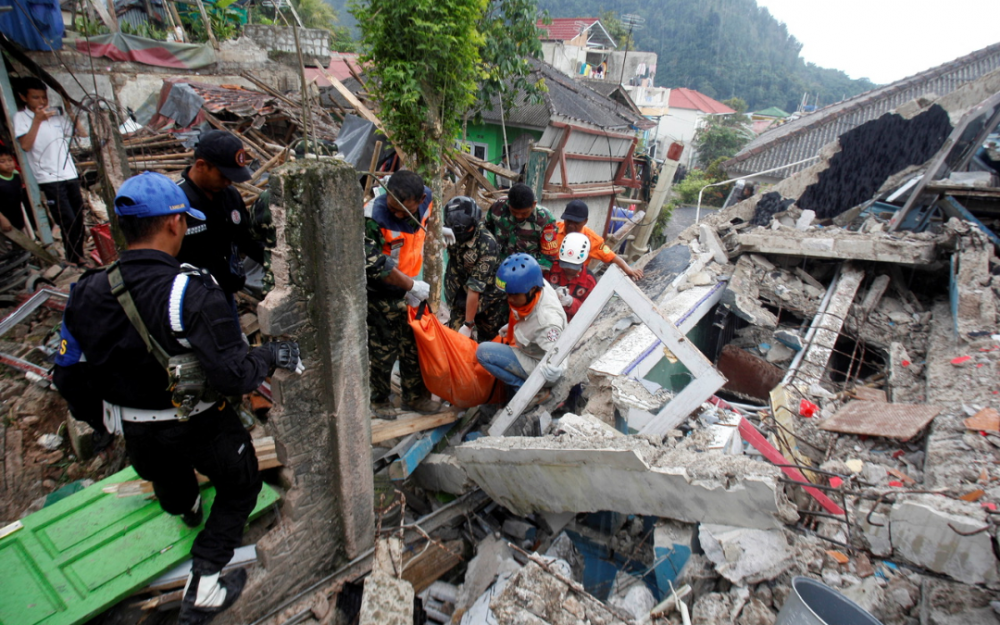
{"x": 151, "y": 194}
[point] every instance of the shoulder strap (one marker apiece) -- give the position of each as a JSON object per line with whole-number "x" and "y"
{"x": 119, "y": 290}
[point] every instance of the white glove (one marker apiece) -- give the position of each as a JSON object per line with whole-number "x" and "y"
{"x": 564, "y": 297}
{"x": 503, "y": 331}
{"x": 466, "y": 330}
{"x": 448, "y": 236}
{"x": 418, "y": 293}
{"x": 551, "y": 372}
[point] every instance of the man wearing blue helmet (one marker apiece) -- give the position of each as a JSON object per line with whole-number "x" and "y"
{"x": 536, "y": 322}
{"x": 153, "y": 345}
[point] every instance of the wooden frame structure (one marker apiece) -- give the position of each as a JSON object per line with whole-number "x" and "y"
{"x": 706, "y": 379}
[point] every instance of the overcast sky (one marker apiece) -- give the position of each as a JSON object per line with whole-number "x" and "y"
{"x": 886, "y": 40}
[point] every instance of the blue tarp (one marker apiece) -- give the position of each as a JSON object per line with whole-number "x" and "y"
{"x": 33, "y": 24}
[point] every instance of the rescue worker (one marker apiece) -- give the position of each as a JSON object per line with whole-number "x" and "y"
{"x": 394, "y": 257}
{"x": 478, "y": 307}
{"x": 216, "y": 241}
{"x": 401, "y": 215}
{"x": 535, "y": 324}
{"x": 520, "y": 225}
{"x": 570, "y": 277}
{"x": 574, "y": 219}
{"x": 148, "y": 298}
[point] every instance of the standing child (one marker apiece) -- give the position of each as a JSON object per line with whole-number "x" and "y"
{"x": 11, "y": 194}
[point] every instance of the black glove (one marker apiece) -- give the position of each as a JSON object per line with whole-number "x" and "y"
{"x": 284, "y": 354}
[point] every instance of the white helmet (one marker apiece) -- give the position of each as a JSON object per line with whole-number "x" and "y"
{"x": 574, "y": 250}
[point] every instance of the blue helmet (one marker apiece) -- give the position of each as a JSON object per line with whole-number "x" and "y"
{"x": 518, "y": 273}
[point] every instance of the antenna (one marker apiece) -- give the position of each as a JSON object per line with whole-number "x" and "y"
{"x": 635, "y": 22}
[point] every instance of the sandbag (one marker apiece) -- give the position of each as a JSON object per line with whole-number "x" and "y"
{"x": 448, "y": 363}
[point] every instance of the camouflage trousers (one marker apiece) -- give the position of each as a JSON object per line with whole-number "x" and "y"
{"x": 390, "y": 339}
{"x": 491, "y": 316}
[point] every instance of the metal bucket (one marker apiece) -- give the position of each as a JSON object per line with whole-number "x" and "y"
{"x": 815, "y": 603}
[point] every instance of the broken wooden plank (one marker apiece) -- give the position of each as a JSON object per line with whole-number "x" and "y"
{"x": 383, "y": 430}
{"x": 986, "y": 420}
{"x": 411, "y": 457}
{"x": 25, "y": 242}
{"x": 429, "y": 565}
{"x": 872, "y": 418}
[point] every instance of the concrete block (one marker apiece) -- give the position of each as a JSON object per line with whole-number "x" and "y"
{"x": 627, "y": 475}
{"x": 585, "y": 425}
{"x": 442, "y": 473}
{"x": 842, "y": 245}
{"x": 710, "y": 240}
{"x": 493, "y": 558}
{"x": 924, "y": 532}
{"x": 534, "y": 595}
{"x": 281, "y": 313}
{"x": 877, "y": 533}
{"x": 746, "y": 556}
{"x": 80, "y": 438}
{"x": 387, "y": 600}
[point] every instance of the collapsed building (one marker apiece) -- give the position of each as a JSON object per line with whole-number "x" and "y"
{"x": 804, "y": 385}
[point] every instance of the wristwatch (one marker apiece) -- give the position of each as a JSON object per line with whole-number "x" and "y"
{"x": 469, "y": 324}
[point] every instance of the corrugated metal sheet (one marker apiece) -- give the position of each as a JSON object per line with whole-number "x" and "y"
{"x": 805, "y": 137}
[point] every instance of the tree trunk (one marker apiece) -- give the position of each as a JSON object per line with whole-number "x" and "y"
{"x": 433, "y": 245}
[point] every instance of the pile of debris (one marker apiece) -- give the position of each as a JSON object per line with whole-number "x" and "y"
{"x": 838, "y": 421}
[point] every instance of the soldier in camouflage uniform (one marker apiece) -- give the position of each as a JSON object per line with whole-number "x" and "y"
{"x": 389, "y": 334}
{"x": 520, "y": 225}
{"x": 469, "y": 280}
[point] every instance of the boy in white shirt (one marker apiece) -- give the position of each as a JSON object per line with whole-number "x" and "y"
{"x": 44, "y": 135}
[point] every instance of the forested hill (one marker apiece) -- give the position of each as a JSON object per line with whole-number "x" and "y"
{"x": 724, "y": 49}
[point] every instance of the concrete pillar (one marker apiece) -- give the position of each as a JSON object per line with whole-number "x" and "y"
{"x": 320, "y": 418}
{"x": 639, "y": 244}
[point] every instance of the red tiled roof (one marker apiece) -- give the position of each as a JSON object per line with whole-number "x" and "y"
{"x": 338, "y": 68}
{"x": 566, "y": 28}
{"x": 691, "y": 99}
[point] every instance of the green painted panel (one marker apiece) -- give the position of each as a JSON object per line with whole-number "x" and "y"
{"x": 84, "y": 553}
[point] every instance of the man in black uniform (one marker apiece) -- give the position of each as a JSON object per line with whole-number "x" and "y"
{"x": 215, "y": 241}
{"x": 119, "y": 328}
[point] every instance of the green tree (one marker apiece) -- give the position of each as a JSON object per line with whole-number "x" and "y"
{"x": 722, "y": 136}
{"x": 428, "y": 60}
{"x": 618, "y": 31}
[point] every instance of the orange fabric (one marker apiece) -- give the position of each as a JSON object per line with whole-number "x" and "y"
{"x": 598, "y": 249}
{"x": 411, "y": 246}
{"x": 449, "y": 366}
{"x": 516, "y": 314}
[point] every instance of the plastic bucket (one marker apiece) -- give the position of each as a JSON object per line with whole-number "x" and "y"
{"x": 815, "y": 603}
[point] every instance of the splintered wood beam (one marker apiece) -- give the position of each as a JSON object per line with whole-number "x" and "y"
{"x": 383, "y": 430}
{"x": 267, "y": 458}
{"x": 430, "y": 564}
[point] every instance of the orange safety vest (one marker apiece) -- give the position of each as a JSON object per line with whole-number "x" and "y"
{"x": 407, "y": 248}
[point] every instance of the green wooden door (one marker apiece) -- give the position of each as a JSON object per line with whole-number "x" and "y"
{"x": 85, "y": 553}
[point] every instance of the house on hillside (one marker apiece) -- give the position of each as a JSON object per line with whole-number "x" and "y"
{"x": 575, "y": 144}
{"x": 581, "y": 47}
{"x": 688, "y": 111}
{"x": 804, "y": 137}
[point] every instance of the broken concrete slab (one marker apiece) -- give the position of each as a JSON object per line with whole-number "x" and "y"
{"x": 944, "y": 536}
{"x": 536, "y": 595}
{"x": 742, "y": 295}
{"x": 628, "y": 475}
{"x": 841, "y": 244}
{"x": 746, "y": 556}
{"x": 387, "y": 599}
{"x": 442, "y": 473}
{"x": 710, "y": 241}
{"x": 493, "y": 558}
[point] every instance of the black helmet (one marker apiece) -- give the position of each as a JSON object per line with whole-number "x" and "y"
{"x": 461, "y": 214}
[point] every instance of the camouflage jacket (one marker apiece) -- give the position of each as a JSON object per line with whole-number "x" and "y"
{"x": 536, "y": 235}
{"x": 472, "y": 266}
{"x": 378, "y": 266}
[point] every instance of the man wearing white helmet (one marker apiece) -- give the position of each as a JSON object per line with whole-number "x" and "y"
{"x": 569, "y": 275}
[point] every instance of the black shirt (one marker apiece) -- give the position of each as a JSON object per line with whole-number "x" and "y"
{"x": 215, "y": 243}
{"x": 11, "y": 197}
{"x": 119, "y": 369}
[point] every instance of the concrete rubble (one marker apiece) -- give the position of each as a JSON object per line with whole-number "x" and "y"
{"x": 856, "y": 440}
